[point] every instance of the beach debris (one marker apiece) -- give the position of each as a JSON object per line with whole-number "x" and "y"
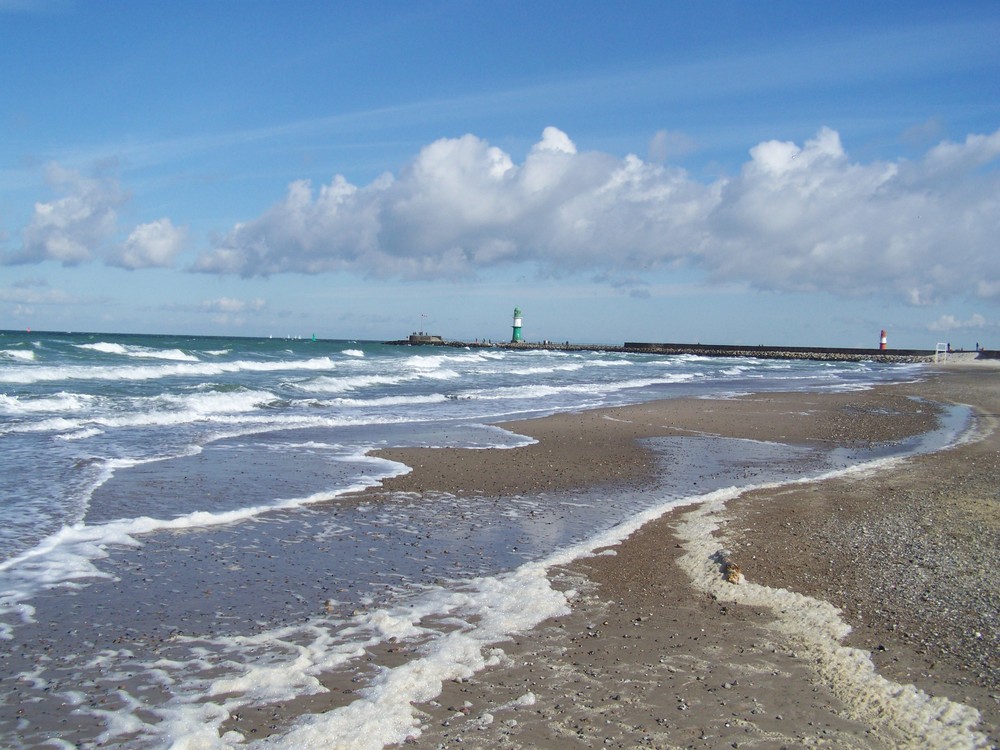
{"x": 733, "y": 572}
{"x": 730, "y": 570}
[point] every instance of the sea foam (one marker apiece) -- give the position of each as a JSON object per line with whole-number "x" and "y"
{"x": 153, "y": 372}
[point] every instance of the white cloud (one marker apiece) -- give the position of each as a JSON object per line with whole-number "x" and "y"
{"x": 152, "y": 245}
{"x": 553, "y": 139}
{"x": 230, "y": 305}
{"x": 796, "y": 217}
{"x": 462, "y": 206}
{"x": 951, "y": 323}
{"x": 80, "y": 226}
{"x": 976, "y": 151}
{"x": 70, "y": 229}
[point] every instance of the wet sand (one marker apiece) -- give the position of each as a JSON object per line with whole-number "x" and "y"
{"x": 867, "y": 618}
{"x": 660, "y": 651}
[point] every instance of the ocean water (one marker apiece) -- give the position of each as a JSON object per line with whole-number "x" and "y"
{"x": 176, "y": 552}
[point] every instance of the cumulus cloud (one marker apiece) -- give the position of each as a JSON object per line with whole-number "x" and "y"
{"x": 951, "y": 323}
{"x": 69, "y": 229}
{"x": 152, "y": 245}
{"x": 796, "y": 217}
{"x": 80, "y": 226}
{"x": 463, "y": 206}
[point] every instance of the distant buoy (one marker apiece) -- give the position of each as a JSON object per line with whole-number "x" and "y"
{"x": 882, "y": 341}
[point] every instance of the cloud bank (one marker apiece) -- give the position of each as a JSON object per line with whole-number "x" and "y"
{"x": 795, "y": 218}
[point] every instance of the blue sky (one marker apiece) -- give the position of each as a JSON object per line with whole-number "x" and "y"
{"x": 729, "y": 172}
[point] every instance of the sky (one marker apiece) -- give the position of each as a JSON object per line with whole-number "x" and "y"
{"x": 790, "y": 173}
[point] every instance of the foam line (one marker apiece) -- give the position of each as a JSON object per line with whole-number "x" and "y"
{"x": 387, "y": 714}
{"x": 815, "y": 629}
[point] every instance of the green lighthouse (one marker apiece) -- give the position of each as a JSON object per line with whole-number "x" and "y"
{"x": 516, "y": 337}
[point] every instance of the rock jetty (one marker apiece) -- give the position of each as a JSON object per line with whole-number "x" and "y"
{"x": 829, "y": 354}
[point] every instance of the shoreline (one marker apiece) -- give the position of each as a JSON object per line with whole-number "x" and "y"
{"x": 827, "y": 643}
{"x": 647, "y": 658}
{"x": 282, "y": 582}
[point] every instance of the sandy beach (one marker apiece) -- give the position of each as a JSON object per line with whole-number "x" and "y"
{"x": 867, "y": 614}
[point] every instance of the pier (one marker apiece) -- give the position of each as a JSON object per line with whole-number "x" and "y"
{"x": 828, "y": 354}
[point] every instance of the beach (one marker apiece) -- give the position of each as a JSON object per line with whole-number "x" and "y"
{"x": 867, "y": 617}
{"x": 339, "y": 545}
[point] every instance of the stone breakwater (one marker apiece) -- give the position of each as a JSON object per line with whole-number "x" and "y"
{"x": 827, "y": 354}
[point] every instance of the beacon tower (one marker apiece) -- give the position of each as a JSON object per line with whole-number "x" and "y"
{"x": 516, "y": 335}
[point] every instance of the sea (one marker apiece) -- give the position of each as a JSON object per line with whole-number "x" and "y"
{"x": 183, "y": 543}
